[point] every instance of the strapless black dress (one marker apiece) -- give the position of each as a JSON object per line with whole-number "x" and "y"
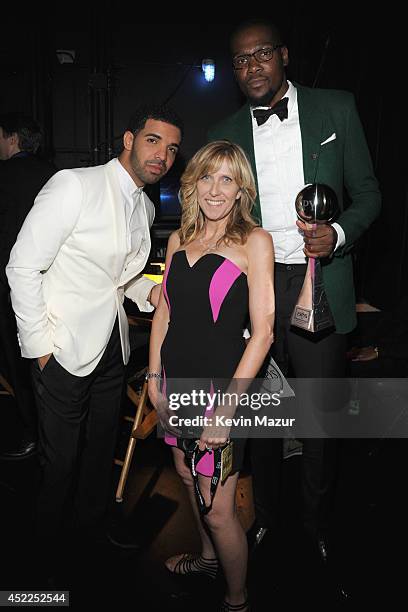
{"x": 208, "y": 306}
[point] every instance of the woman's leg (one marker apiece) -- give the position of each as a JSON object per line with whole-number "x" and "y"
{"x": 183, "y": 471}
{"x": 228, "y": 536}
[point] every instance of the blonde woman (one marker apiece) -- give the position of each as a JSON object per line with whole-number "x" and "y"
{"x": 219, "y": 270}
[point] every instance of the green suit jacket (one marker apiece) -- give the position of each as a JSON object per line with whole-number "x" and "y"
{"x": 344, "y": 162}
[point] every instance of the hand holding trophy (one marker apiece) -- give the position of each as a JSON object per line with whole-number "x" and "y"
{"x": 315, "y": 204}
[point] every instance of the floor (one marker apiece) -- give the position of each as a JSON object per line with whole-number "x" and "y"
{"x": 369, "y": 536}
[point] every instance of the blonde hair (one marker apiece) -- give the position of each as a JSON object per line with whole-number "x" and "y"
{"x": 208, "y": 160}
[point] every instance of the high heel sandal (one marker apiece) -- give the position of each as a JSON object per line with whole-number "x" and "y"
{"x": 195, "y": 564}
{"x": 227, "y": 607}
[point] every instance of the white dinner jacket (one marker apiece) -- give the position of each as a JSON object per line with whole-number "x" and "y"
{"x": 69, "y": 268}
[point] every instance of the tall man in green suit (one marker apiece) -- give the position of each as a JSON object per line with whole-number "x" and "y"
{"x": 293, "y": 136}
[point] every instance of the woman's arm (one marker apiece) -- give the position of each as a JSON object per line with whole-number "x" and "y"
{"x": 261, "y": 260}
{"x": 260, "y": 255}
{"x": 158, "y": 333}
{"x": 161, "y": 316}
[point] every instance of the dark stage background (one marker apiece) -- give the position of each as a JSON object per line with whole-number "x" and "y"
{"x": 81, "y": 78}
{"x": 118, "y": 61}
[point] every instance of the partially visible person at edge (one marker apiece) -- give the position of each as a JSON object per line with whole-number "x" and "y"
{"x": 295, "y": 135}
{"x": 381, "y": 349}
{"x": 22, "y": 174}
{"x": 81, "y": 250}
{"x": 219, "y": 266}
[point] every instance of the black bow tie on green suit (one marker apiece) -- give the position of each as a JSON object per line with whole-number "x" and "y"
{"x": 280, "y": 108}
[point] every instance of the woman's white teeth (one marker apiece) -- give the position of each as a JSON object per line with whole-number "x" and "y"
{"x": 214, "y": 202}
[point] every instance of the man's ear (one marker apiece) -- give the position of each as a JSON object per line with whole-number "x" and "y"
{"x": 14, "y": 139}
{"x": 13, "y": 144}
{"x": 128, "y": 138}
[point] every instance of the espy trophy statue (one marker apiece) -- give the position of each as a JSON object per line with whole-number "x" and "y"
{"x": 315, "y": 204}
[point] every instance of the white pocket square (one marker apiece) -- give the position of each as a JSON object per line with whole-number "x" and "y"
{"x": 329, "y": 139}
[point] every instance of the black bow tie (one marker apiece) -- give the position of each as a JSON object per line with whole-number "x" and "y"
{"x": 281, "y": 109}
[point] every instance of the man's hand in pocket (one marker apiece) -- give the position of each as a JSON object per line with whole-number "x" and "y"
{"x": 42, "y": 361}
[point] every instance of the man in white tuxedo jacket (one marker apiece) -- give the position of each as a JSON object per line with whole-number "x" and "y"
{"x": 81, "y": 249}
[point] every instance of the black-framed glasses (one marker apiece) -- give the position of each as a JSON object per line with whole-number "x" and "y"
{"x": 261, "y": 55}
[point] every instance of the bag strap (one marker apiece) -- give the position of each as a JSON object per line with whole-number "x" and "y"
{"x": 196, "y": 456}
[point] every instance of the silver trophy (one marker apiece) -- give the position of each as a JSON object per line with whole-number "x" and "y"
{"x": 315, "y": 204}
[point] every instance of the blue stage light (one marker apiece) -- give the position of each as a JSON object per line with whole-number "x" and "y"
{"x": 208, "y": 67}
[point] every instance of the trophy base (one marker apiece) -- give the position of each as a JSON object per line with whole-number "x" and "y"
{"x": 312, "y": 320}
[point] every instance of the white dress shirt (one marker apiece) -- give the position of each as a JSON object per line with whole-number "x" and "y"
{"x": 279, "y": 168}
{"x": 134, "y": 210}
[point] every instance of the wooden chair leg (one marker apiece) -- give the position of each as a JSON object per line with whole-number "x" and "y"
{"x": 125, "y": 470}
{"x": 132, "y": 441}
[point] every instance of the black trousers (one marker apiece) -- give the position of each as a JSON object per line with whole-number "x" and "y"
{"x": 16, "y": 369}
{"x": 306, "y": 355}
{"x": 78, "y": 420}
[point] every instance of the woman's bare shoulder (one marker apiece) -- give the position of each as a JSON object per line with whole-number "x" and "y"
{"x": 259, "y": 238}
{"x": 174, "y": 240}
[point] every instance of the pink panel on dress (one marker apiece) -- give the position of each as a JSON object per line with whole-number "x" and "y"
{"x": 164, "y": 286}
{"x": 221, "y": 282}
{"x": 171, "y": 440}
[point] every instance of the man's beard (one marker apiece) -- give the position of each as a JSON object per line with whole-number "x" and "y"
{"x": 267, "y": 98}
{"x": 264, "y": 100}
{"x": 142, "y": 173}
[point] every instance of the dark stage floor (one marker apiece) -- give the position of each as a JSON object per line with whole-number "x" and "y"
{"x": 369, "y": 537}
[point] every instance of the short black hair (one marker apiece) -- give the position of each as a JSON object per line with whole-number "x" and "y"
{"x": 258, "y": 21}
{"x": 27, "y": 129}
{"x": 158, "y": 112}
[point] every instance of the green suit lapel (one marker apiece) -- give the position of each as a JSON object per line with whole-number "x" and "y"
{"x": 311, "y": 127}
{"x": 244, "y": 137}
{"x": 244, "y": 131}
